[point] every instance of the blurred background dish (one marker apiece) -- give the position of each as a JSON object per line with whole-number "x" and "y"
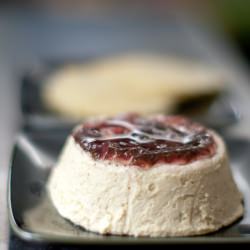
{"x": 133, "y": 82}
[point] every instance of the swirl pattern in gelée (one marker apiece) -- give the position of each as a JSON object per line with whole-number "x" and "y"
{"x": 145, "y": 141}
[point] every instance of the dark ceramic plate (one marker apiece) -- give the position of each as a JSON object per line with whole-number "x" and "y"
{"x": 33, "y": 217}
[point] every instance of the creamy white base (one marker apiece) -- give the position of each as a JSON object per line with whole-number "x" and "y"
{"x": 166, "y": 200}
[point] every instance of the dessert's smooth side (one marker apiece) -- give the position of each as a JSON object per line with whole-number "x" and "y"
{"x": 165, "y": 200}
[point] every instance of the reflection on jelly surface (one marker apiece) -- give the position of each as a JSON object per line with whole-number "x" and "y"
{"x": 132, "y": 139}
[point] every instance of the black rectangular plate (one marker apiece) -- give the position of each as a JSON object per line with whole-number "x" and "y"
{"x": 33, "y": 217}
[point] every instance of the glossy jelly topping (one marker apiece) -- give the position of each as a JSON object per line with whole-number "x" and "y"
{"x": 132, "y": 139}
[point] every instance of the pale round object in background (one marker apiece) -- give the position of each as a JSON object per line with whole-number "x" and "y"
{"x": 141, "y": 83}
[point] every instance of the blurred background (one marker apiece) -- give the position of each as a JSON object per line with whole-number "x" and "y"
{"x": 57, "y": 57}
{"x": 232, "y": 16}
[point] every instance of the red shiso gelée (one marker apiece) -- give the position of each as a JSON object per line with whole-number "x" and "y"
{"x": 142, "y": 141}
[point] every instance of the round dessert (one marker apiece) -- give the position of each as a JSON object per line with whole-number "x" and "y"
{"x": 143, "y": 82}
{"x": 145, "y": 176}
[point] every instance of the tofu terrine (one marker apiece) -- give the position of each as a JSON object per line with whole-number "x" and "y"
{"x": 145, "y": 176}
